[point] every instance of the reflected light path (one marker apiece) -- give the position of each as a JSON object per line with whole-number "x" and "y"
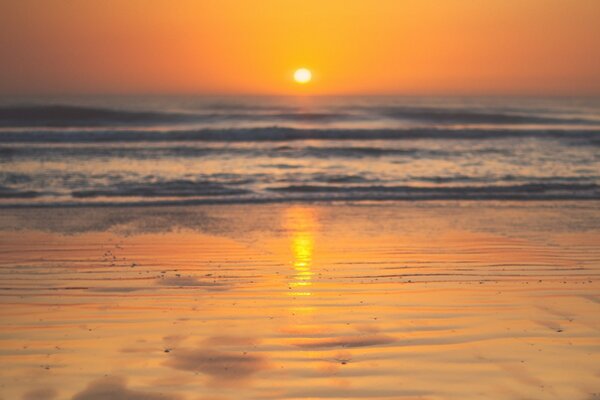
{"x": 284, "y": 301}
{"x": 301, "y": 224}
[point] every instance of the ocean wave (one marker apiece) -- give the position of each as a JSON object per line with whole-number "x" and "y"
{"x": 175, "y": 188}
{"x": 506, "y": 178}
{"x": 192, "y": 193}
{"x": 470, "y": 116}
{"x": 8, "y": 154}
{"x": 12, "y": 193}
{"x": 291, "y": 180}
{"x": 65, "y": 116}
{"x": 282, "y": 134}
{"x": 531, "y": 191}
{"x": 201, "y": 152}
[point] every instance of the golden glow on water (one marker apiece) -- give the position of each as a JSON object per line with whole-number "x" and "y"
{"x": 300, "y": 302}
{"x": 301, "y": 223}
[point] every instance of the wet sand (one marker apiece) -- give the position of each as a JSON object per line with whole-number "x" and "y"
{"x": 471, "y": 300}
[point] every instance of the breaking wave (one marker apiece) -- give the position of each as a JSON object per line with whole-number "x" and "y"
{"x": 283, "y": 134}
{"x": 64, "y": 116}
{"x": 209, "y": 151}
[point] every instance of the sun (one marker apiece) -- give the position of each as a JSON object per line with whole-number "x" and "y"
{"x": 302, "y": 75}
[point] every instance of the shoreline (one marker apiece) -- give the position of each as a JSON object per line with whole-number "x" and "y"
{"x": 298, "y": 201}
{"x": 299, "y": 301}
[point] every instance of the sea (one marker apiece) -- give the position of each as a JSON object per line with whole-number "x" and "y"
{"x": 177, "y": 150}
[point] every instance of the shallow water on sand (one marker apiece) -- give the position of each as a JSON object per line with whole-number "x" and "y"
{"x": 415, "y": 300}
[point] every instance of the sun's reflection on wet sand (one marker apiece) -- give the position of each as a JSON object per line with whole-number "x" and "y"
{"x": 301, "y": 223}
{"x": 298, "y": 302}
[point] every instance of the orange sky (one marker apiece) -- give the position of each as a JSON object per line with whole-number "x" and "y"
{"x": 253, "y": 46}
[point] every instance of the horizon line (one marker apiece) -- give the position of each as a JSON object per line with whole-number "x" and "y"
{"x": 300, "y": 95}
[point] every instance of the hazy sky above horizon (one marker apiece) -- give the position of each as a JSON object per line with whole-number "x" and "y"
{"x": 352, "y": 47}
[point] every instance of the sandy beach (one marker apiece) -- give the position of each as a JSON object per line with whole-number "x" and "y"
{"x": 399, "y": 300}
